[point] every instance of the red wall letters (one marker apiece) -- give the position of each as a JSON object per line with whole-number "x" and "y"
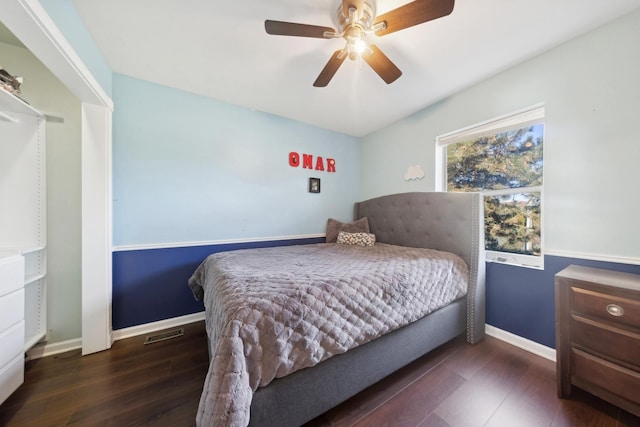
{"x": 307, "y": 162}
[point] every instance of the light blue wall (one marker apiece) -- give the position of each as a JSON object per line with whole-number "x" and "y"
{"x": 189, "y": 168}
{"x": 67, "y": 19}
{"x": 591, "y": 91}
{"x": 592, "y": 96}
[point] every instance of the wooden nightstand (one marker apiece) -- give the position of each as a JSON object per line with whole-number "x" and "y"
{"x": 598, "y": 334}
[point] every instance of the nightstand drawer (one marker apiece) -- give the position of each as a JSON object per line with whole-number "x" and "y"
{"x": 610, "y": 308}
{"x": 589, "y": 371}
{"x": 610, "y": 342}
{"x": 598, "y": 334}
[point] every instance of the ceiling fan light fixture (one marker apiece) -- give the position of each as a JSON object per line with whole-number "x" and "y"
{"x": 355, "y": 19}
{"x": 359, "y": 46}
{"x": 355, "y": 41}
{"x": 355, "y": 48}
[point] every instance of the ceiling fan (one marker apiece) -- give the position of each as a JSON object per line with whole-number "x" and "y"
{"x": 355, "y": 20}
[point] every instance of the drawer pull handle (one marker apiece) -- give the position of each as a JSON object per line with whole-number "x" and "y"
{"x": 615, "y": 310}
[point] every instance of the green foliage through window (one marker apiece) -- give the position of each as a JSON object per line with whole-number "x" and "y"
{"x": 510, "y": 159}
{"x": 507, "y": 168}
{"x": 512, "y": 223}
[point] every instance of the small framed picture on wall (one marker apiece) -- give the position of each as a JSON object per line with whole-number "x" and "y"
{"x": 314, "y": 185}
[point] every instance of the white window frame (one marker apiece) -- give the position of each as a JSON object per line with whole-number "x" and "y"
{"x": 519, "y": 119}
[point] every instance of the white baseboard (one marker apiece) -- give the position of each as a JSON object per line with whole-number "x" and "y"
{"x": 44, "y": 349}
{"x": 147, "y": 328}
{"x": 523, "y": 343}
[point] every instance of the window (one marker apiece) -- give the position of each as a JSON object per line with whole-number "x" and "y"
{"x": 502, "y": 159}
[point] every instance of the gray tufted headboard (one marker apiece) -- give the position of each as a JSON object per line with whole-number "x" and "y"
{"x": 452, "y": 222}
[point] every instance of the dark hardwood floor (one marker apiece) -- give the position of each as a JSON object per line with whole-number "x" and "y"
{"x": 488, "y": 384}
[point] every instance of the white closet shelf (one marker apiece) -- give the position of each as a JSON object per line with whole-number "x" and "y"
{"x": 30, "y": 279}
{"x": 22, "y": 233}
{"x": 25, "y": 250}
{"x": 20, "y": 250}
{"x": 10, "y": 103}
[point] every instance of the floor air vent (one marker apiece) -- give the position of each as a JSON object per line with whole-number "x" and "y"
{"x": 164, "y": 336}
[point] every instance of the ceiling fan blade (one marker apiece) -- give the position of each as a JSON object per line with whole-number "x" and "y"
{"x": 382, "y": 65}
{"x": 279, "y": 28}
{"x": 413, "y": 13}
{"x": 330, "y": 69}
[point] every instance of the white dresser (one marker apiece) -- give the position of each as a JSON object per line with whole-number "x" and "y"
{"x": 11, "y": 322}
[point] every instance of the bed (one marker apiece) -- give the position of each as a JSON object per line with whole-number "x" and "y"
{"x": 297, "y": 386}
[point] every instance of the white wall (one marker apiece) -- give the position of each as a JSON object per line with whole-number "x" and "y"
{"x": 46, "y": 93}
{"x": 591, "y": 90}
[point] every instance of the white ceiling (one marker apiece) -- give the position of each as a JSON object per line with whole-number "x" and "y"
{"x": 220, "y": 49}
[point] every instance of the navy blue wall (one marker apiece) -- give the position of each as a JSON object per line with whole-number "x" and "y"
{"x": 521, "y": 300}
{"x": 151, "y": 284}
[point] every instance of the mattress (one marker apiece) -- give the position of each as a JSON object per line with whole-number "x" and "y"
{"x": 273, "y": 311}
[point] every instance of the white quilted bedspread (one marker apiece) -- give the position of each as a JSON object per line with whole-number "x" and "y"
{"x": 273, "y": 311}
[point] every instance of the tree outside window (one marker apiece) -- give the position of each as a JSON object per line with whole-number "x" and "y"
{"x": 503, "y": 160}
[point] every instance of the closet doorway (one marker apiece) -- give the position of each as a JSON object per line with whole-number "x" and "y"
{"x": 32, "y": 26}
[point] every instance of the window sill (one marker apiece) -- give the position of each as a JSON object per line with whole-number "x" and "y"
{"x": 516, "y": 260}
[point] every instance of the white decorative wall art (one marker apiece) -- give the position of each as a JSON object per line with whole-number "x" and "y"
{"x": 413, "y": 173}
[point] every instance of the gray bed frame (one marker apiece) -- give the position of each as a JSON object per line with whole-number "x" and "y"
{"x": 451, "y": 222}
